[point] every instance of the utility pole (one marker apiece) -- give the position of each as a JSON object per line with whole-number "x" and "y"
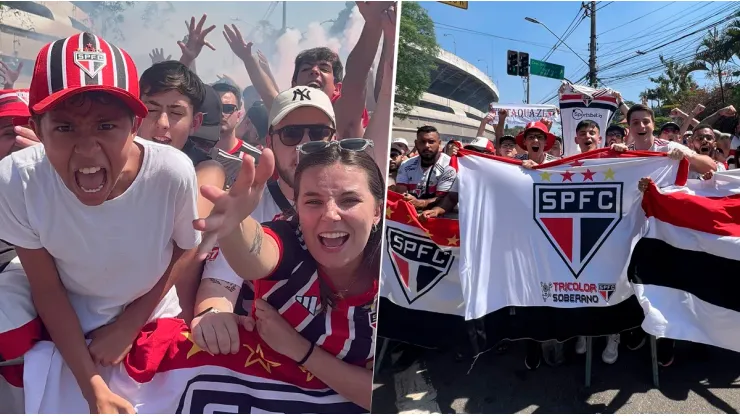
{"x": 285, "y": 18}
{"x": 592, "y": 48}
{"x": 527, "y": 89}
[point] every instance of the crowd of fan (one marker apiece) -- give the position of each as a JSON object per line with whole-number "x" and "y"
{"x": 425, "y": 174}
{"x": 168, "y": 194}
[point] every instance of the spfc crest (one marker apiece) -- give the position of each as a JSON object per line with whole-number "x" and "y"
{"x": 91, "y": 61}
{"x": 419, "y": 263}
{"x": 577, "y": 219}
{"x": 586, "y": 99}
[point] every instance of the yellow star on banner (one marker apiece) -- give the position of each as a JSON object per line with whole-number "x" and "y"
{"x": 545, "y": 176}
{"x": 609, "y": 174}
{"x": 195, "y": 348}
{"x": 309, "y": 375}
{"x": 388, "y": 212}
{"x": 429, "y": 234}
{"x": 453, "y": 241}
{"x": 260, "y": 359}
{"x": 410, "y": 219}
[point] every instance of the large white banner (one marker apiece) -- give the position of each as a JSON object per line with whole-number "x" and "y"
{"x": 520, "y": 115}
{"x": 559, "y": 235}
{"x": 579, "y": 103}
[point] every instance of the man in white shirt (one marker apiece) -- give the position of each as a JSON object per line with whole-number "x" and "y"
{"x": 99, "y": 217}
{"x": 641, "y": 121}
{"x": 426, "y": 178}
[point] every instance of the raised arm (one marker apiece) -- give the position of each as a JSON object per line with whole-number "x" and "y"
{"x": 352, "y": 102}
{"x": 378, "y": 130}
{"x": 265, "y": 66}
{"x": 243, "y": 50}
{"x": 483, "y": 123}
{"x": 500, "y": 127}
{"x": 9, "y": 75}
{"x": 196, "y": 40}
{"x": 728, "y": 111}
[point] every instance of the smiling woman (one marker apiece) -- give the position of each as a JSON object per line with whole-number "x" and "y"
{"x": 329, "y": 251}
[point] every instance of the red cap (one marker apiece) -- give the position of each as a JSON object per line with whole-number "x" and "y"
{"x": 536, "y": 125}
{"x": 14, "y": 103}
{"x": 83, "y": 62}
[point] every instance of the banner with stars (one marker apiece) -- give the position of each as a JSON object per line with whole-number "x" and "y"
{"x": 556, "y": 236}
{"x": 166, "y": 373}
{"x": 420, "y": 279}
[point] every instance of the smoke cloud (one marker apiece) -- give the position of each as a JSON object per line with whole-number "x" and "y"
{"x": 147, "y": 26}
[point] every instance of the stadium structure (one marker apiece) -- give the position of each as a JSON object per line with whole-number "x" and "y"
{"x": 455, "y": 102}
{"x": 26, "y": 26}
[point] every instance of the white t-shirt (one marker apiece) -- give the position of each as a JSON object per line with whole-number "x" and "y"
{"x": 732, "y": 159}
{"x": 216, "y": 266}
{"x": 108, "y": 255}
{"x": 665, "y": 146}
{"x": 426, "y": 183}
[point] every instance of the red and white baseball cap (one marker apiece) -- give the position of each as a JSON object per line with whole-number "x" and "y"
{"x": 536, "y": 125}
{"x": 14, "y": 103}
{"x": 481, "y": 144}
{"x": 80, "y": 63}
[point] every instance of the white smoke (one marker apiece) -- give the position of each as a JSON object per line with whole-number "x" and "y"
{"x": 139, "y": 38}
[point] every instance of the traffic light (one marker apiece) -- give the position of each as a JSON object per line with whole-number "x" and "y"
{"x": 512, "y": 63}
{"x": 523, "y": 64}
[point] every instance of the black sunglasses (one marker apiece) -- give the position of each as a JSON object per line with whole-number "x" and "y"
{"x": 353, "y": 145}
{"x": 293, "y": 135}
{"x": 228, "y": 108}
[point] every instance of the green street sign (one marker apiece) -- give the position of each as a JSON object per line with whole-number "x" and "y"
{"x": 546, "y": 69}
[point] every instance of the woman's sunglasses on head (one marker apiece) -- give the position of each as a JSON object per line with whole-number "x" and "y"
{"x": 352, "y": 145}
{"x": 293, "y": 135}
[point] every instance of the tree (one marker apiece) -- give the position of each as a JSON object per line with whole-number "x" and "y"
{"x": 713, "y": 54}
{"x": 417, "y": 52}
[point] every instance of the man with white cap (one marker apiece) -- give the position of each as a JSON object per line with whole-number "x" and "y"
{"x": 402, "y": 145}
{"x": 298, "y": 115}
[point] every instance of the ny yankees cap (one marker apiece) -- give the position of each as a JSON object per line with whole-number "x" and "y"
{"x": 14, "y": 103}
{"x": 80, "y": 63}
{"x": 297, "y": 97}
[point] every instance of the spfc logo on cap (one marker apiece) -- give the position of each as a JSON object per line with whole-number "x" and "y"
{"x": 90, "y": 60}
{"x": 419, "y": 263}
{"x": 577, "y": 219}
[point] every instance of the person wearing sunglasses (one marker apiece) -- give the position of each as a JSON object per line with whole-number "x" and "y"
{"x": 231, "y": 117}
{"x": 315, "y": 275}
{"x": 299, "y": 116}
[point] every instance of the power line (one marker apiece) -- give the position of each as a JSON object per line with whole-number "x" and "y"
{"x": 563, "y": 36}
{"x": 475, "y": 32}
{"x": 606, "y": 5}
{"x": 614, "y": 63}
{"x": 634, "y": 20}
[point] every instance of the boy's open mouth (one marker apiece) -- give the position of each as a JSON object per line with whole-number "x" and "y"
{"x": 91, "y": 179}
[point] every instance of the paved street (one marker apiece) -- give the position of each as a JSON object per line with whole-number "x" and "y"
{"x": 695, "y": 383}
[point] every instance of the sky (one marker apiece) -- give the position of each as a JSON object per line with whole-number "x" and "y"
{"x": 506, "y": 19}
{"x": 304, "y": 18}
